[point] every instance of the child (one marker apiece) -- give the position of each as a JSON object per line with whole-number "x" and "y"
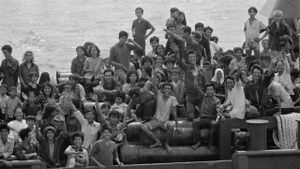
{"x": 12, "y": 103}
{"x": 25, "y": 150}
{"x": 30, "y": 107}
{"x": 154, "y": 41}
{"x": 3, "y": 98}
{"x": 139, "y": 28}
{"x": 252, "y": 30}
{"x": 77, "y": 155}
{"x": 119, "y": 104}
{"x": 174, "y": 12}
{"x": 169, "y": 64}
{"x": 104, "y": 151}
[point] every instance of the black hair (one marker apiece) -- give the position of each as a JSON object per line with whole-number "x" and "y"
{"x": 123, "y": 33}
{"x": 96, "y": 47}
{"x": 184, "y": 21}
{"x": 82, "y": 48}
{"x": 4, "y": 126}
{"x": 78, "y": 134}
{"x": 49, "y": 109}
{"x": 146, "y": 58}
{"x": 191, "y": 51}
{"x": 257, "y": 67}
{"x": 295, "y": 73}
{"x": 171, "y": 25}
{"x": 268, "y": 79}
{"x": 87, "y": 46}
{"x": 134, "y": 92}
{"x": 121, "y": 94}
{"x": 148, "y": 70}
{"x": 174, "y": 9}
{"x": 108, "y": 70}
{"x": 159, "y": 45}
{"x": 199, "y": 25}
{"x": 209, "y": 85}
{"x": 114, "y": 113}
{"x": 24, "y": 133}
{"x": 252, "y": 8}
{"x": 230, "y": 78}
{"x": 130, "y": 73}
{"x": 208, "y": 28}
{"x": 4, "y": 85}
{"x": 187, "y": 29}
{"x": 154, "y": 38}
{"x": 237, "y": 48}
{"x": 169, "y": 60}
{"x": 105, "y": 105}
{"x": 45, "y": 77}
{"x": 214, "y": 38}
{"x": 164, "y": 84}
{"x": 7, "y": 47}
{"x": 139, "y": 8}
{"x": 49, "y": 85}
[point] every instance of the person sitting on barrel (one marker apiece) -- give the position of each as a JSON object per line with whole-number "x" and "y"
{"x": 208, "y": 116}
{"x": 165, "y": 105}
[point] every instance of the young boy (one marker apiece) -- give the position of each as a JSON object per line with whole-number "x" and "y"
{"x": 12, "y": 103}
{"x": 77, "y": 155}
{"x": 104, "y": 151}
{"x": 173, "y": 16}
{"x": 154, "y": 41}
{"x": 252, "y": 29}
{"x": 25, "y": 150}
{"x": 3, "y": 98}
{"x": 30, "y": 120}
{"x": 139, "y": 28}
{"x": 10, "y": 67}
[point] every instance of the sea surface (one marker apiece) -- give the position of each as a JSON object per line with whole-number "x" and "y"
{"x": 52, "y": 29}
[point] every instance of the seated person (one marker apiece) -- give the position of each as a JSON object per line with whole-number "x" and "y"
{"x": 12, "y": 103}
{"x": 77, "y": 155}
{"x": 25, "y": 150}
{"x": 165, "y": 105}
{"x": 119, "y": 103}
{"x": 104, "y": 152}
{"x": 208, "y": 116}
{"x": 17, "y": 125}
{"x": 32, "y": 85}
{"x": 218, "y": 81}
{"x": 30, "y": 107}
{"x": 6, "y": 143}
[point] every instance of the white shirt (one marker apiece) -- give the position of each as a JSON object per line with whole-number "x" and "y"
{"x": 16, "y": 127}
{"x": 163, "y": 107}
{"x": 214, "y": 48}
{"x": 7, "y": 148}
{"x": 236, "y": 97}
{"x": 90, "y": 131}
{"x": 253, "y": 31}
{"x": 285, "y": 79}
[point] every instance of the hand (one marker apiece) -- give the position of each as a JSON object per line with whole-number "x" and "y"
{"x": 174, "y": 48}
{"x": 101, "y": 166}
{"x": 38, "y": 117}
{"x": 130, "y": 40}
{"x": 195, "y": 72}
{"x": 94, "y": 97}
{"x": 257, "y": 39}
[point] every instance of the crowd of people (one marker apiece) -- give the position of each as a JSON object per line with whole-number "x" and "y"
{"x": 48, "y": 121}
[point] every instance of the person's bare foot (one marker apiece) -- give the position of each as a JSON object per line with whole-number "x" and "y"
{"x": 212, "y": 148}
{"x": 168, "y": 148}
{"x": 157, "y": 144}
{"x": 196, "y": 146}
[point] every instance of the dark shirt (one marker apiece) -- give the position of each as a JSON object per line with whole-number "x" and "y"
{"x": 140, "y": 29}
{"x": 113, "y": 85}
{"x": 209, "y": 107}
{"x": 31, "y": 110}
{"x": 104, "y": 153}
{"x": 77, "y": 65}
{"x": 275, "y": 42}
{"x": 121, "y": 54}
{"x": 10, "y": 68}
{"x": 22, "y": 149}
{"x": 24, "y": 71}
{"x": 191, "y": 44}
{"x": 30, "y": 88}
{"x": 205, "y": 43}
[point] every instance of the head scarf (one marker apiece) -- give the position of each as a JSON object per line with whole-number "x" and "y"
{"x": 214, "y": 79}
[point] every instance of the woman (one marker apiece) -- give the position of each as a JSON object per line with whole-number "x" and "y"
{"x": 181, "y": 21}
{"x": 218, "y": 81}
{"x": 132, "y": 81}
{"x": 45, "y": 77}
{"x": 78, "y": 62}
{"x": 47, "y": 95}
{"x": 159, "y": 51}
{"x": 28, "y": 66}
{"x": 279, "y": 35}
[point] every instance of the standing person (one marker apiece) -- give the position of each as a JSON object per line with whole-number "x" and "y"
{"x": 120, "y": 54}
{"x": 154, "y": 41}
{"x": 252, "y": 29}
{"x": 78, "y": 62}
{"x": 174, "y": 12}
{"x": 139, "y": 28}
{"x": 10, "y": 67}
{"x": 28, "y": 66}
{"x": 214, "y": 48}
{"x": 199, "y": 28}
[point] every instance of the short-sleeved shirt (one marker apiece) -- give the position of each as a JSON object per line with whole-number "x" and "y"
{"x": 24, "y": 71}
{"x": 104, "y": 153}
{"x": 140, "y": 27}
{"x": 11, "y": 105}
{"x": 252, "y": 31}
{"x": 7, "y": 148}
{"x": 16, "y": 126}
{"x": 93, "y": 65}
{"x": 77, "y": 65}
{"x": 234, "y": 64}
{"x": 83, "y": 156}
{"x": 208, "y": 108}
{"x": 163, "y": 107}
{"x": 10, "y": 68}
{"x": 121, "y": 54}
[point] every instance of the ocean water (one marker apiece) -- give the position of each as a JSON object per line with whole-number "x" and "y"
{"x": 52, "y": 29}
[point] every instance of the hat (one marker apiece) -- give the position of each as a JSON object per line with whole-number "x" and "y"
{"x": 49, "y": 128}
{"x": 59, "y": 117}
{"x": 30, "y": 117}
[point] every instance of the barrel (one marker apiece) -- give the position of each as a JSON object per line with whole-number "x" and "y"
{"x": 185, "y": 136}
{"x": 62, "y": 76}
{"x": 134, "y": 154}
{"x": 258, "y": 134}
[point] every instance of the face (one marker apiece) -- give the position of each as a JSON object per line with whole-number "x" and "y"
{"x": 68, "y": 88}
{"x": 230, "y": 83}
{"x": 114, "y": 119}
{"x": 34, "y": 79}
{"x": 238, "y": 53}
{"x": 147, "y": 63}
{"x": 181, "y": 18}
{"x": 106, "y": 135}
{"x": 138, "y": 13}
{"x": 280, "y": 67}
{"x": 19, "y": 114}
{"x": 159, "y": 60}
{"x": 175, "y": 14}
{"x": 80, "y": 52}
{"x": 6, "y": 53}
{"x": 256, "y": 74}
{"x": 123, "y": 40}
{"x": 12, "y": 92}
{"x": 118, "y": 100}
{"x": 172, "y": 29}
{"x": 105, "y": 110}
{"x": 200, "y": 30}
{"x": 30, "y": 123}
{"x": 169, "y": 66}
{"x": 167, "y": 90}
{"x": 47, "y": 90}
{"x": 3, "y": 90}
{"x": 94, "y": 52}
{"x": 133, "y": 78}
{"x": 90, "y": 116}
{"x": 192, "y": 59}
{"x": 3, "y": 134}
{"x": 108, "y": 76}
{"x": 175, "y": 76}
{"x": 50, "y": 135}
{"x": 210, "y": 91}
{"x": 160, "y": 50}
{"x": 154, "y": 44}
{"x": 252, "y": 13}
{"x": 28, "y": 57}
{"x": 208, "y": 33}
{"x": 219, "y": 75}
{"x": 58, "y": 124}
{"x": 78, "y": 141}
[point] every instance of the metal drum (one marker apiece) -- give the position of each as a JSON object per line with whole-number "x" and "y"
{"x": 62, "y": 76}
{"x": 184, "y": 137}
{"x": 134, "y": 154}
